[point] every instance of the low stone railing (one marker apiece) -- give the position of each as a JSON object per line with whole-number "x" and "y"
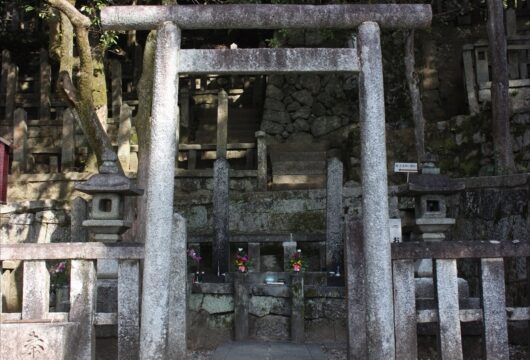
{"x": 71, "y": 335}
{"x": 447, "y": 311}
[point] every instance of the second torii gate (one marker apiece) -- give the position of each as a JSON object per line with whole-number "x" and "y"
{"x": 170, "y": 61}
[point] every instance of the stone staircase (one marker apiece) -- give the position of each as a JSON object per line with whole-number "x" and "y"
{"x": 298, "y": 165}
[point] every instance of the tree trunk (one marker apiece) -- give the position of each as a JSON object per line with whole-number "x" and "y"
{"x": 500, "y": 99}
{"x": 143, "y": 129}
{"x": 82, "y": 99}
{"x": 99, "y": 88}
{"x": 415, "y": 98}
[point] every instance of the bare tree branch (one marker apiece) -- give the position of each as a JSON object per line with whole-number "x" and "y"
{"x": 76, "y": 18}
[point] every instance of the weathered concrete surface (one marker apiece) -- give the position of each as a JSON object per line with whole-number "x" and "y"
{"x": 159, "y": 197}
{"x": 177, "y": 296}
{"x": 38, "y": 341}
{"x": 380, "y": 310}
{"x": 266, "y": 16}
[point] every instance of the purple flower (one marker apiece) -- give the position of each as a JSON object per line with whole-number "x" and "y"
{"x": 194, "y": 255}
{"x": 60, "y": 267}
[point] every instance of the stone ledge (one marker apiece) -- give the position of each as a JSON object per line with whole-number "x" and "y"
{"x": 505, "y": 181}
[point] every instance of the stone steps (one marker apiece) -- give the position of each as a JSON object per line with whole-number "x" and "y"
{"x": 298, "y": 165}
{"x": 309, "y": 167}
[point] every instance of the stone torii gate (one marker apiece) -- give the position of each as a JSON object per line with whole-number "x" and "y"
{"x": 170, "y": 61}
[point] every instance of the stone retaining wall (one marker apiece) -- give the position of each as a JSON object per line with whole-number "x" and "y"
{"x": 211, "y": 315}
{"x": 308, "y": 107}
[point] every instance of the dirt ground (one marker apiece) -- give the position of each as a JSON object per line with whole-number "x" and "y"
{"x": 106, "y": 350}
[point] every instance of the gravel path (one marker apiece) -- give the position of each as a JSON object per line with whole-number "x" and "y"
{"x": 338, "y": 352}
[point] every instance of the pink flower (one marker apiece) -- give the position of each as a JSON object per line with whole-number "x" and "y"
{"x": 60, "y": 267}
{"x": 242, "y": 268}
{"x": 296, "y": 267}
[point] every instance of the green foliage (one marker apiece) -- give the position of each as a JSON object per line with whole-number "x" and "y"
{"x": 92, "y": 9}
{"x": 41, "y": 10}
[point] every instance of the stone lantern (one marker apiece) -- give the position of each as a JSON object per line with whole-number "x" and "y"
{"x": 108, "y": 189}
{"x": 106, "y": 218}
{"x": 430, "y": 191}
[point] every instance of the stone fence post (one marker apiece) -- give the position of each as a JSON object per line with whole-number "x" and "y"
{"x": 262, "y": 160}
{"x": 241, "y": 305}
{"x": 221, "y": 245}
{"x": 222, "y": 123}
{"x": 297, "y": 308}
{"x": 334, "y": 215}
{"x": 178, "y": 291}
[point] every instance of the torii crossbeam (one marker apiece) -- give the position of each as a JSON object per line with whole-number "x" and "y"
{"x": 170, "y": 61}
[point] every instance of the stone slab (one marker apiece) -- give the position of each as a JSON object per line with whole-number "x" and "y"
{"x": 268, "y": 350}
{"x": 254, "y": 16}
{"x": 37, "y": 340}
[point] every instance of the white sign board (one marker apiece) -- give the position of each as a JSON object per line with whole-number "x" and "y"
{"x": 395, "y": 230}
{"x": 406, "y": 167}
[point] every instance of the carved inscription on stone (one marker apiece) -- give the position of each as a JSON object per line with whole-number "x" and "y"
{"x": 34, "y": 346}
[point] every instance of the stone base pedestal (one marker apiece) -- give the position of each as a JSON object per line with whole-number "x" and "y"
{"x": 20, "y": 340}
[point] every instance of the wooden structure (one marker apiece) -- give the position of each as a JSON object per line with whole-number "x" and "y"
{"x": 478, "y": 73}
